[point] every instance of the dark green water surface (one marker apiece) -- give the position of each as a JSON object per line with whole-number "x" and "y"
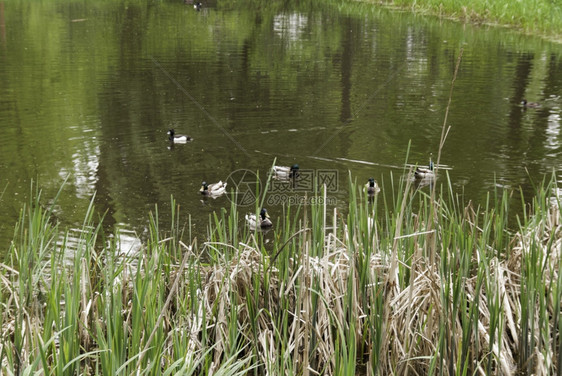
{"x": 89, "y": 89}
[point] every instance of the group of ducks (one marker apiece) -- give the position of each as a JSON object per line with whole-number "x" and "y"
{"x": 263, "y": 221}
{"x": 286, "y": 173}
{"x": 279, "y": 172}
{"x": 283, "y": 173}
{"x": 215, "y": 189}
{"x": 421, "y": 174}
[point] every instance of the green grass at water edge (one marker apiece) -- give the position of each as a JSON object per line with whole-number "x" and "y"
{"x": 535, "y": 16}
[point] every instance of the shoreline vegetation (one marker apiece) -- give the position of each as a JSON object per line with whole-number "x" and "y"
{"x": 538, "y": 17}
{"x": 405, "y": 283}
{"x": 427, "y": 285}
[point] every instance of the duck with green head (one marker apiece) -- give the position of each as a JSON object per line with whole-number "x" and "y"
{"x": 425, "y": 172}
{"x": 372, "y": 186}
{"x": 215, "y": 189}
{"x": 262, "y": 221}
{"x": 286, "y": 173}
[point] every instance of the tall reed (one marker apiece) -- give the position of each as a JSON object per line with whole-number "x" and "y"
{"x": 401, "y": 283}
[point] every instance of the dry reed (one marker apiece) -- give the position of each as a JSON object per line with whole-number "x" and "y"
{"x": 334, "y": 296}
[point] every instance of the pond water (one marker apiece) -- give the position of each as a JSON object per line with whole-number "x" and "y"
{"x": 89, "y": 90}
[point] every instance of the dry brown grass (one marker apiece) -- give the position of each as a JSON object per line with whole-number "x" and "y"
{"x": 413, "y": 299}
{"x": 413, "y": 314}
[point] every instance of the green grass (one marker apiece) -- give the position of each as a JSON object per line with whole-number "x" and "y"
{"x": 541, "y": 17}
{"x": 406, "y": 283}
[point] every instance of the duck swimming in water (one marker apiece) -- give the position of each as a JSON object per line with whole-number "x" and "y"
{"x": 262, "y": 221}
{"x": 215, "y": 189}
{"x": 285, "y": 173}
{"x": 530, "y": 104}
{"x": 178, "y": 138}
{"x": 372, "y": 187}
{"x": 425, "y": 172}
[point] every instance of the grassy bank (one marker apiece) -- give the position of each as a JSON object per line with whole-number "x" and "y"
{"x": 429, "y": 287}
{"x": 540, "y": 17}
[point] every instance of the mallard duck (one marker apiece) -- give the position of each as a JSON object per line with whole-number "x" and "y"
{"x": 262, "y": 221}
{"x": 425, "y": 172}
{"x": 178, "y": 138}
{"x": 372, "y": 187}
{"x": 283, "y": 172}
{"x": 530, "y": 104}
{"x": 215, "y": 189}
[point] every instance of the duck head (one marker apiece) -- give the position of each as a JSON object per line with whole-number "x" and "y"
{"x": 263, "y": 214}
{"x": 294, "y": 171}
{"x": 530, "y": 104}
{"x": 371, "y": 182}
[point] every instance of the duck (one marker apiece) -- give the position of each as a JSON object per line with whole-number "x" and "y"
{"x": 197, "y": 5}
{"x": 215, "y": 189}
{"x": 284, "y": 172}
{"x": 263, "y": 221}
{"x": 178, "y": 138}
{"x": 530, "y": 104}
{"x": 372, "y": 186}
{"x": 425, "y": 172}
